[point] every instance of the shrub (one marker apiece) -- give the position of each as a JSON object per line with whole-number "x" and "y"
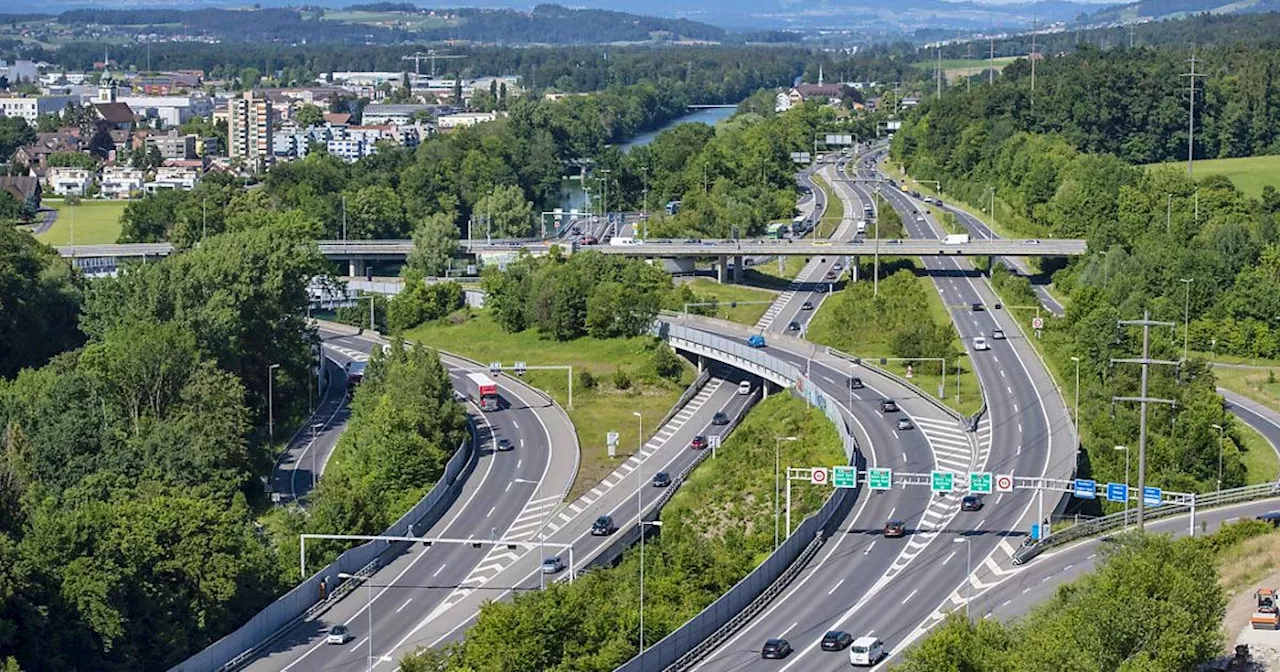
{"x": 665, "y": 363}
{"x": 621, "y": 379}
{"x": 586, "y": 381}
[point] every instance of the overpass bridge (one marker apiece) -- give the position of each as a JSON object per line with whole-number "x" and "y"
{"x": 359, "y": 253}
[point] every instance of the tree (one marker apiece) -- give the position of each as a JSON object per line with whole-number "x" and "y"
{"x": 435, "y": 241}
{"x": 309, "y": 115}
{"x": 39, "y": 302}
{"x": 375, "y": 212}
{"x": 506, "y": 211}
{"x": 14, "y": 133}
{"x": 73, "y": 160}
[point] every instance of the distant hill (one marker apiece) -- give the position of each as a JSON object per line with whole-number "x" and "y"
{"x": 387, "y": 23}
{"x": 1170, "y": 9}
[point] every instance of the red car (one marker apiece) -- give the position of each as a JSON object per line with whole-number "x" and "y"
{"x": 894, "y": 529}
{"x": 699, "y": 442}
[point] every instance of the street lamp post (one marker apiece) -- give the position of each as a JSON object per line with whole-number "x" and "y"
{"x": 1077, "y": 411}
{"x": 542, "y": 531}
{"x": 639, "y": 462}
{"x": 368, "y": 608}
{"x": 1186, "y": 323}
{"x": 1126, "y": 484}
{"x": 968, "y": 577}
{"x": 777, "y": 486}
{"x": 1221, "y": 435}
{"x": 644, "y": 524}
{"x": 271, "y": 410}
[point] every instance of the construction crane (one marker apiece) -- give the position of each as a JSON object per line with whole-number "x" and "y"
{"x": 418, "y": 57}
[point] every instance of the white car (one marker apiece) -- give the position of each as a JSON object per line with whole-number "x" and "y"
{"x": 866, "y": 651}
{"x": 980, "y": 343}
{"x": 998, "y": 335}
{"x": 744, "y": 387}
{"x": 338, "y": 634}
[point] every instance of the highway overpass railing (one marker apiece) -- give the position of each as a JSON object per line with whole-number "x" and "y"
{"x": 720, "y": 619}
{"x": 1122, "y": 519}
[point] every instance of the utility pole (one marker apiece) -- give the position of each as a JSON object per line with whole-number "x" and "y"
{"x": 991, "y": 62}
{"x": 968, "y": 78}
{"x": 1034, "y": 26}
{"x": 937, "y": 76}
{"x": 1191, "y": 112}
{"x": 1131, "y": 27}
{"x": 1145, "y": 361}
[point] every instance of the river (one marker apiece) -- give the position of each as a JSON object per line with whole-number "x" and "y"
{"x": 572, "y": 196}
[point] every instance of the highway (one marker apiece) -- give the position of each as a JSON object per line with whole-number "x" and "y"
{"x": 622, "y": 494}
{"x": 420, "y": 578}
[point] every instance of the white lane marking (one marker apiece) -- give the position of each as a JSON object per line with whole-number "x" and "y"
{"x": 1002, "y": 373}
{"x": 515, "y": 424}
{"x": 789, "y": 628}
{"x": 508, "y": 488}
{"x": 1025, "y": 591}
{"x": 1068, "y": 567}
{"x": 518, "y": 463}
{"x": 406, "y": 603}
{"x": 438, "y": 570}
{"x": 356, "y": 648}
{"x": 1091, "y": 556}
{"x": 948, "y": 558}
{"x": 1005, "y": 603}
{"x": 835, "y": 587}
{"x": 908, "y": 597}
{"x": 1046, "y": 578}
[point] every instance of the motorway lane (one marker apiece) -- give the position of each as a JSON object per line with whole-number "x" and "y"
{"x": 303, "y": 460}
{"x": 617, "y": 496}
{"x": 1257, "y": 416}
{"x": 978, "y": 229}
{"x": 419, "y": 578}
{"x": 1037, "y": 581}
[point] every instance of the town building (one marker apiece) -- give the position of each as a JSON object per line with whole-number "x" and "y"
{"x": 448, "y": 122}
{"x": 31, "y": 107}
{"x": 172, "y": 145}
{"x": 249, "y": 130}
{"x": 120, "y": 183}
{"x": 69, "y": 181}
{"x": 36, "y": 155}
{"x": 20, "y": 71}
{"x": 25, "y": 188}
{"x": 173, "y": 177}
{"x": 374, "y": 115}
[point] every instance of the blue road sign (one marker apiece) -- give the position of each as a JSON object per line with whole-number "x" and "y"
{"x": 1035, "y": 531}
{"x": 1086, "y": 489}
{"x": 1151, "y": 496}
{"x": 1116, "y": 492}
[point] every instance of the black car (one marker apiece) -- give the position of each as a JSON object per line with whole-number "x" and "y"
{"x": 1272, "y": 517}
{"x": 504, "y": 445}
{"x": 776, "y": 648}
{"x": 978, "y": 308}
{"x": 855, "y": 383}
{"x": 888, "y": 406}
{"x": 793, "y": 326}
{"x": 971, "y": 503}
{"x": 603, "y": 527}
{"x": 661, "y": 479}
{"x": 719, "y": 418}
{"x": 807, "y": 305}
{"x": 836, "y": 640}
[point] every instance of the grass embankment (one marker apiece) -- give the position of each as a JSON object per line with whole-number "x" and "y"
{"x": 891, "y": 325}
{"x": 1242, "y": 565}
{"x": 606, "y": 408}
{"x": 769, "y": 276}
{"x": 1256, "y": 379}
{"x": 1249, "y": 173}
{"x": 1259, "y": 457}
{"x": 747, "y": 311}
{"x": 957, "y": 68}
{"x": 94, "y": 222}
{"x": 835, "y": 208}
{"x": 716, "y": 529}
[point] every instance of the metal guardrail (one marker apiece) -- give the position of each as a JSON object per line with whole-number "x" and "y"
{"x": 866, "y": 362}
{"x": 1110, "y": 522}
{"x": 689, "y": 393}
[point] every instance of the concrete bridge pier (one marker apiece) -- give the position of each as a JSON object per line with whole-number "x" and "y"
{"x": 737, "y": 269}
{"x": 853, "y": 269}
{"x": 355, "y": 268}
{"x": 722, "y": 269}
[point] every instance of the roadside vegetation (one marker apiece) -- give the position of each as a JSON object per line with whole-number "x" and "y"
{"x": 834, "y": 212}
{"x": 1153, "y": 604}
{"x": 732, "y": 300}
{"x": 906, "y": 320}
{"x": 716, "y": 529}
{"x": 1250, "y": 174}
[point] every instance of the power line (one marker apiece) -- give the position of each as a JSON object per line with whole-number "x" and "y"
{"x": 1146, "y": 323}
{"x": 1191, "y": 112}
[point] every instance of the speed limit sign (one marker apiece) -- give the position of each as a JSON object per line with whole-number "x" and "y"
{"x": 1004, "y": 483}
{"x": 1037, "y": 323}
{"x": 818, "y": 476}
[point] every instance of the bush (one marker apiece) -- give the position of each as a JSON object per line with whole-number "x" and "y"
{"x": 665, "y": 363}
{"x": 621, "y": 380}
{"x": 586, "y": 381}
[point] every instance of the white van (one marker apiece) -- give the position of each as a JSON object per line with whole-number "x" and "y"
{"x": 866, "y": 651}
{"x": 618, "y": 242}
{"x": 744, "y": 387}
{"x": 862, "y": 226}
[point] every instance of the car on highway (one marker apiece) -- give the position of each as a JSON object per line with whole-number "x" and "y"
{"x": 755, "y": 341}
{"x": 866, "y": 651}
{"x": 821, "y": 289}
{"x": 895, "y": 529}
{"x": 699, "y": 442}
{"x": 338, "y": 634}
{"x": 776, "y": 648}
{"x": 977, "y": 307}
{"x": 831, "y": 275}
{"x": 807, "y": 305}
{"x": 904, "y": 424}
{"x": 720, "y": 419}
{"x": 552, "y": 565}
{"x": 980, "y": 343}
{"x": 971, "y": 503}
{"x": 793, "y": 326}
{"x": 888, "y": 406}
{"x": 836, "y": 640}
{"x": 603, "y": 527}
{"x": 838, "y": 267}
{"x": 1031, "y": 242}
{"x": 661, "y": 479}
{"x": 744, "y": 387}
{"x": 855, "y": 383}
{"x": 997, "y": 335}
{"x": 920, "y": 219}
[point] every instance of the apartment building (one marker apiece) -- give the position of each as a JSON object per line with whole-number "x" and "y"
{"x": 31, "y": 107}
{"x": 249, "y": 130}
{"x": 70, "y": 181}
{"x": 120, "y": 183}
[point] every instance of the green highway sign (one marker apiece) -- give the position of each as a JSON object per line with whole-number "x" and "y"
{"x": 880, "y": 479}
{"x": 980, "y": 482}
{"x": 844, "y": 477}
{"x": 942, "y": 481}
